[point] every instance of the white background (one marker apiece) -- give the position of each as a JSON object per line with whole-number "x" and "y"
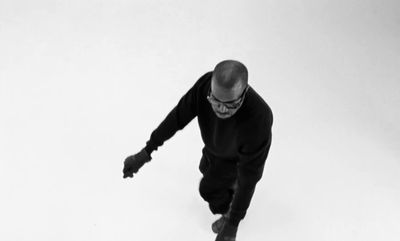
{"x": 84, "y": 83}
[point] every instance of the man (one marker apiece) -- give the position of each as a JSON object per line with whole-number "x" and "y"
{"x": 235, "y": 125}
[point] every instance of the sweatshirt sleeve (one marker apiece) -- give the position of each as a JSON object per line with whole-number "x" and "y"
{"x": 252, "y": 157}
{"x": 184, "y": 112}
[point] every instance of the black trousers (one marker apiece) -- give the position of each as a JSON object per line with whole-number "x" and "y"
{"x": 217, "y": 184}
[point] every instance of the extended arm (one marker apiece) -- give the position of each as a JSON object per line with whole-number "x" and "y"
{"x": 177, "y": 119}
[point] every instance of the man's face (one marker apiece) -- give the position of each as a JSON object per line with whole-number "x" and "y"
{"x": 226, "y": 103}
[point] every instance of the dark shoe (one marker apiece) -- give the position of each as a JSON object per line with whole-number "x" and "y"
{"x": 227, "y": 233}
{"x": 219, "y": 223}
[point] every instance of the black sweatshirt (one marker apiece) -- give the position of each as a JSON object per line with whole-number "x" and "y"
{"x": 243, "y": 139}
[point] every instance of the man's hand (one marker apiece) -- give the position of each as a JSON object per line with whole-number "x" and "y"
{"x": 133, "y": 163}
{"x": 228, "y": 233}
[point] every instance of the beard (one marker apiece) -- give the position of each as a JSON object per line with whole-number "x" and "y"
{"x": 224, "y": 115}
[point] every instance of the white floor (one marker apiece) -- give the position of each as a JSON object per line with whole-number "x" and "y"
{"x": 84, "y": 83}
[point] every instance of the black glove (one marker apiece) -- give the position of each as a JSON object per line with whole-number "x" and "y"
{"x": 133, "y": 163}
{"x": 227, "y": 233}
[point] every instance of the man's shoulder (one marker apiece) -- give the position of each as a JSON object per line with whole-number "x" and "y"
{"x": 257, "y": 110}
{"x": 205, "y": 77}
{"x": 201, "y": 84}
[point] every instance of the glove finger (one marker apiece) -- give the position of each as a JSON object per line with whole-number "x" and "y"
{"x": 128, "y": 172}
{"x": 128, "y": 175}
{"x": 126, "y": 169}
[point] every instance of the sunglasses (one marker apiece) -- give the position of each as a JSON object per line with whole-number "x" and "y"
{"x": 233, "y": 104}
